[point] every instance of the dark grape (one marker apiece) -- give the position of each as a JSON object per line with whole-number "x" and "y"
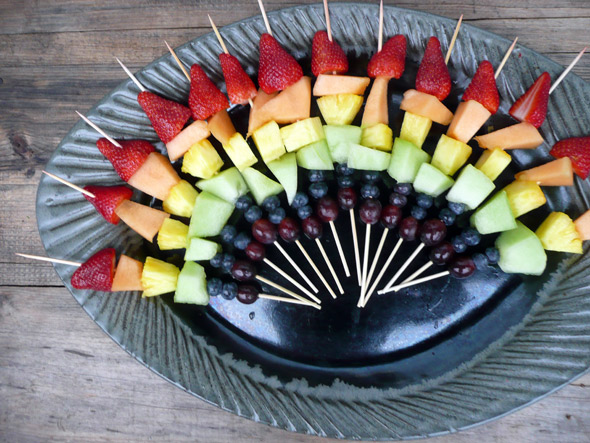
{"x": 403, "y": 188}
{"x": 433, "y": 231}
{"x": 300, "y": 200}
{"x": 424, "y": 201}
{"x": 327, "y": 209}
{"x": 471, "y": 237}
{"x": 493, "y": 255}
{"x": 228, "y": 233}
{"x": 276, "y": 215}
{"x": 391, "y": 216}
{"x": 481, "y": 261}
{"x": 255, "y": 251}
{"x": 242, "y": 240}
{"x": 230, "y": 290}
{"x": 408, "y": 228}
{"x": 346, "y": 198}
{"x": 264, "y": 231}
{"x": 459, "y": 244}
{"x": 247, "y": 294}
{"x": 304, "y": 212}
{"x": 228, "y": 262}
{"x": 370, "y": 191}
{"x": 343, "y": 169}
{"x": 457, "y": 208}
{"x": 289, "y": 230}
{"x": 442, "y": 253}
{"x": 418, "y": 212}
{"x": 214, "y": 287}
{"x": 345, "y": 181}
{"x": 370, "y": 176}
{"x": 462, "y": 267}
{"x": 271, "y": 203}
{"x": 447, "y": 216}
{"x": 370, "y": 211}
{"x": 398, "y": 199}
{"x": 312, "y": 227}
{"x": 316, "y": 176}
{"x": 216, "y": 260}
{"x": 253, "y": 213}
{"x": 243, "y": 270}
{"x": 244, "y": 202}
{"x": 318, "y": 190}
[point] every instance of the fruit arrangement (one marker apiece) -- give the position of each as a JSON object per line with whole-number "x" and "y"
{"x": 224, "y": 214}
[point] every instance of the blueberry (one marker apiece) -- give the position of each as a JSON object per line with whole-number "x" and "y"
{"x": 458, "y": 244}
{"x": 228, "y": 262}
{"x": 316, "y": 176}
{"x": 300, "y": 200}
{"x": 216, "y": 260}
{"x": 244, "y": 202}
{"x": 318, "y": 190}
{"x": 369, "y": 191}
{"x": 214, "y": 287}
{"x": 471, "y": 237}
{"x": 493, "y": 255}
{"x": 242, "y": 240}
{"x": 228, "y": 233}
{"x": 447, "y": 216}
{"x": 343, "y": 169}
{"x": 397, "y": 199}
{"x": 253, "y": 213}
{"x": 424, "y": 201}
{"x": 403, "y": 188}
{"x": 481, "y": 261}
{"x": 457, "y": 208}
{"x": 304, "y": 212}
{"x": 370, "y": 176}
{"x": 230, "y": 290}
{"x": 277, "y": 216}
{"x": 345, "y": 181}
{"x": 418, "y": 212}
{"x": 271, "y": 203}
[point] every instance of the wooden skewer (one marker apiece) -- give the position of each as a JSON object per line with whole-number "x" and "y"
{"x": 505, "y": 59}
{"x": 380, "y": 275}
{"x": 375, "y": 260}
{"x": 355, "y": 241}
{"x": 71, "y": 185}
{"x": 180, "y": 64}
{"x": 265, "y": 18}
{"x": 567, "y": 70}
{"x": 288, "y": 300}
{"x": 131, "y": 76}
{"x": 286, "y": 291}
{"x": 417, "y": 282}
{"x": 402, "y": 269}
{"x": 296, "y": 267}
{"x": 365, "y": 259}
{"x": 100, "y": 131}
{"x": 453, "y": 39}
{"x": 292, "y": 280}
{"x": 380, "y": 38}
{"x": 327, "y": 14}
{"x": 420, "y": 271}
{"x": 49, "y": 259}
{"x": 340, "y": 251}
{"x": 329, "y": 264}
{"x": 315, "y": 268}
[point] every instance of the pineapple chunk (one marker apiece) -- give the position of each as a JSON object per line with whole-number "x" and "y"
{"x": 379, "y": 136}
{"x": 239, "y": 152}
{"x": 524, "y": 196}
{"x": 492, "y": 162}
{"x": 202, "y": 160}
{"x": 450, "y": 155}
{"x": 158, "y": 277}
{"x": 181, "y": 199}
{"x": 415, "y": 128}
{"x": 558, "y": 233}
{"x": 340, "y": 109}
{"x": 302, "y": 133}
{"x": 268, "y": 140}
{"x": 172, "y": 235}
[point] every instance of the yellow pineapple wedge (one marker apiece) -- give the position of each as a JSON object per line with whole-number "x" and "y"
{"x": 268, "y": 140}
{"x": 450, "y": 155}
{"x": 524, "y": 196}
{"x": 238, "y": 150}
{"x": 172, "y": 235}
{"x": 492, "y": 162}
{"x": 415, "y": 128}
{"x": 340, "y": 109}
{"x": 181, "y": 199}
{"x": 302, "y": 133}
{"x": 158, "y": 277}
{"x": 379, "y": 136}
{"x": 202, "y": 160}
{"x": 558, "y": 233}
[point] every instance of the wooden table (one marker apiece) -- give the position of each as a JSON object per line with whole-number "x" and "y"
{"x": 61, "y": 377}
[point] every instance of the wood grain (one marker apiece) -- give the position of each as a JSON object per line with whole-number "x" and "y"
{"x": 61, "y": 377}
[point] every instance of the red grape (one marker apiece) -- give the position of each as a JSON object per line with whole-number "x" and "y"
{"x": 243, "y": 270}
{"x": 312, "y": 227}
{"x": 442, "y": 253}
{"x": 346, "y": 198}
{"x": 408, "y": 229}
{"x": 391, "y": 216}
{"x": 247, "y": 294}
{"x": 370, "y": 211}
{"x": 289, "y": 229}
{"x": 462, "y": 267}
{"x": 327, "y": 209}
{"x": 433, "y": 231}
{"x": 264, "y": 231}
{"x": 255, "y": 251}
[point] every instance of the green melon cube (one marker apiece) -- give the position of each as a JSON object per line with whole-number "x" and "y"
{"x": 494, "y": 216}
{"x": 406, "y": 159}
{"x": 260, "y": 185}
{"x": 239, "y": 152}
{"x": 367, "y": 159}
{"x": 285, "y": 170}
{"x": 228, "y": 185}
{"x": 268, "y": 140}
{"x": 192, "y": 285}
{"x": 339, "y": 138}
{"x": 431, "y": 181}
{"x": 379, "y": 136}
{"x": 340, "y": 109}
{"x": 450, "y": 154}
{"x": 302, "y": 133}
{"x": 201, "y": 249}
{"x": 315, "y": 156}
{"x": 471, "y": 188}
{"x": 415, "y": 128}
{"x": 521, "y": 251}
{"x": 210, "y": 215}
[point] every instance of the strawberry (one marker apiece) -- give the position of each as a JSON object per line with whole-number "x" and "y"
{"x": 278, "y": 69}
{"x": 107, "y": 198}
{"x": 128, "y": 159}
{"x": 578, "y": 150}
{"x": 97, "y": 272}
{"x": 240, "y": 86}
{"x": 532, "y": 106}
{"x": 205, "y": 99}
{"x": 327, "y": 56}
{"x": 390, "y": 62}
{"x": 433, "y": 75}
{"x": 483, "y": 88}
{"x": 167, "y": 117}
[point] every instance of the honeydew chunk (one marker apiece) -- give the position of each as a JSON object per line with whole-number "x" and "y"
{"x": 260, "y": 185}
{"x": 339, "y": 138}
{"x": 521, "y": 251}
{"x": 426, "y": 105}
{"x": 468, "y": 119}
{"x": 239, "y": 152}
{"x": 555, "y": 173}
{"x": 181, "y": 199}
{"x": 492, "y": 162}
{"x": 367, "y": 159}
{"x": 315, "y": 156}
{"x": 268, "y": 140}
{"x": 200, "y": 249}
{"x": 493, "y": 216}
{"x": 221, "y": 127}
{"x": 158, "y": 277}
{"x": 155, "y": 177}
{"x": 228, "y": 185}
{"x": 524, "y": 196}
{"x": 450, "y": 155}
{"x": 415, "y": 128}
{"x": 210, "y": 215}
{"x": 379, "y": 136}
{"x": 340, "y": 109}
{"x": 285, "y": 170}
{"x": 376, "y": 110}
{"x": 329, "y": 84}
{"x": 193, "y": 133}
{"x": 471, "y": 187}
{"x": 127, "y": 275}
{"x": 302, "y": 133}
{"x": 558, "y": 233}
{"x": 144, "y": 220}
{"x": 431, "y": 181}
{"x": 202, "y": 160}
{"x": 406, "y": 159}
{"x": 520, "y": 136}
{"x": 191, "y": 287}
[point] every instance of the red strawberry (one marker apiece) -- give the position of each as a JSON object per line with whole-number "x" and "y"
{"x": 205, "y": 99}
{"x": 167, "y": 117}
{"x": 240, "y": 86}
{"x": 107, "y": 198}
{"x": 327, "y": 56}
{"x": 433, "y": 75}
{"x": 97, "y": 272}
{"x": 483, "y": 88}
{"x": 390, "y": 62}
{"x": 578, "y": 150}
{"x": 278, "y": 69}
{"x": 128, "y": 159}
{"x": 532, "y": 106}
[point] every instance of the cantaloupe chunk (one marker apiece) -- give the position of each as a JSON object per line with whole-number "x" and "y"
{"x": 555, "y": 173}
{"x": 144, "y": 220}
{"x": 327, "y": 84}
{"x": 376, "y": 107}
{"x": 190, "y": 135}
{"x": 221, "y": 127}
{"x": 127, "y": 275}
{"x": 156, "y": 177}
{"x": 583, "y": 225}
{"x": 255, "y": 119}
{"x": 469, "y": 118}
{"x": 520, "y": 136}
{"x": 426, "y": 105}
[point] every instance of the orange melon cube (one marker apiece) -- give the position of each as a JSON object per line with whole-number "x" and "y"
{"x": 127, "y": 275}
{"x": 193, "y": 133}
{"x": 156, "y": 177}
{"x": 221, "y": 127}
{"x": 376, "y": 110}
{"x": 327, "y": 84}
{"x": 582, "y": 224}
{"x": 426, "y": 105}
{"x": 555, "y": 173}
{"x": 256, "y": 119}
{"x": 144, "y": 220}
{"x": 520, "y": 136}
{"x": 469, "y": 118}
